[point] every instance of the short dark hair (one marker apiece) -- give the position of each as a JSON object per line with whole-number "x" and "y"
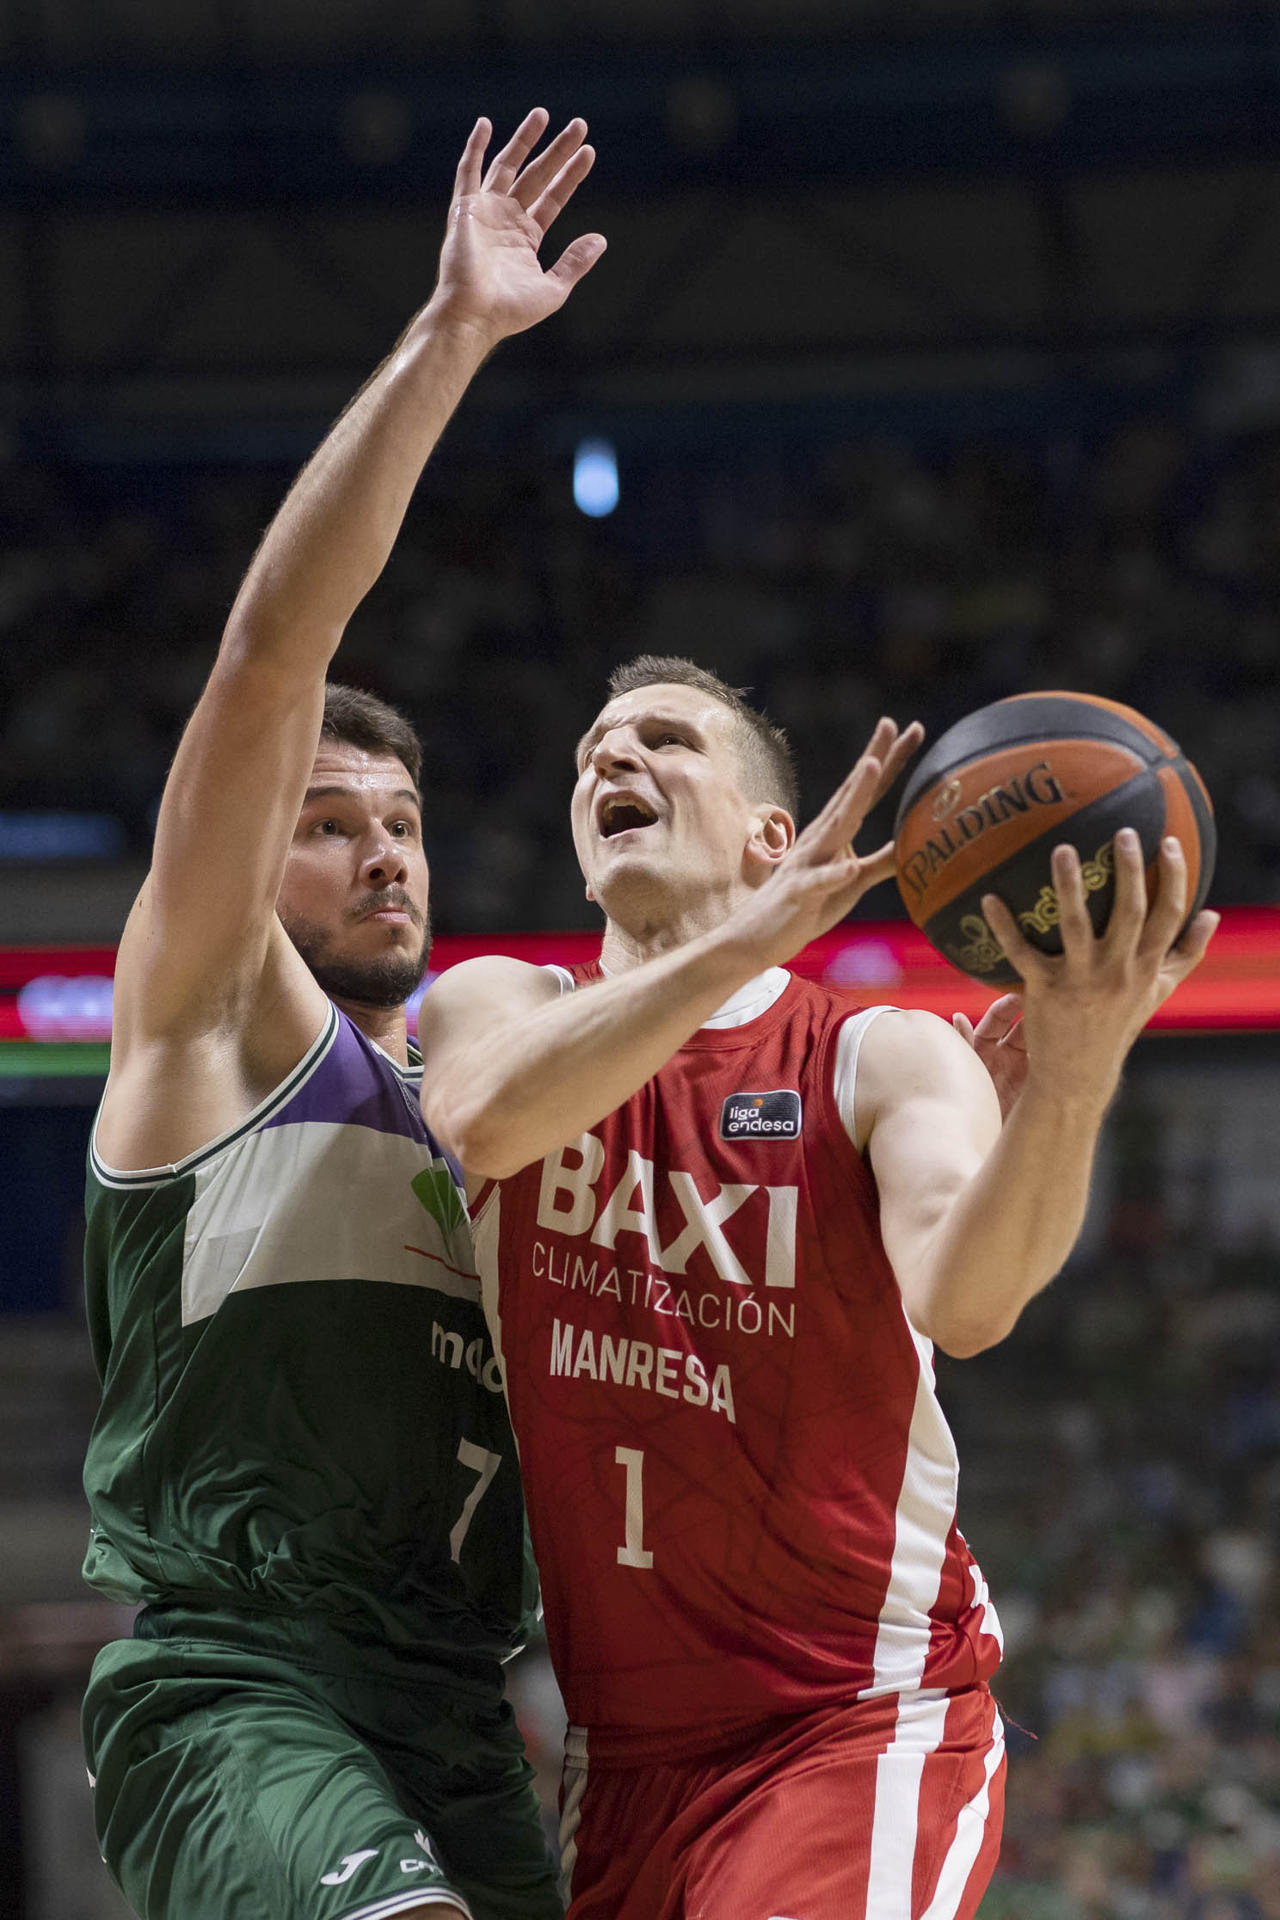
{"x": 362, "y": 720}
{"x": 765, "y": 751}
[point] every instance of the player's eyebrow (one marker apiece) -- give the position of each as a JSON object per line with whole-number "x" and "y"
{"x": 348, "y": 793}
{"x": 650, "y": 716}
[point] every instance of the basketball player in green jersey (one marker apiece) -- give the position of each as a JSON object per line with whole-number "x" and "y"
{"x": 302, "y": 1467}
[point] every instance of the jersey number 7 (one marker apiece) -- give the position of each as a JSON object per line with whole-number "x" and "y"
{"x": 486, "y": 1465}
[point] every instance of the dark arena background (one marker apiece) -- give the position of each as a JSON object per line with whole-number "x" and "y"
{"x": 935, "y": 357}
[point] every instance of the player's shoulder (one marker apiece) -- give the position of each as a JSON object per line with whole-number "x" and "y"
{"x": 911, "y": 1051}
{"x": 493, "y": 979}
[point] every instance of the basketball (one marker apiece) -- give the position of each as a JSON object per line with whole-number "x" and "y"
{"x": 985, "y": 807}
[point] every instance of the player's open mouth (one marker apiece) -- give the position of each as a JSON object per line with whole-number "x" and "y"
{"x": 620, "y": 813}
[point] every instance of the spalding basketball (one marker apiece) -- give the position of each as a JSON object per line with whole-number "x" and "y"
{"x": 985, "y": 807}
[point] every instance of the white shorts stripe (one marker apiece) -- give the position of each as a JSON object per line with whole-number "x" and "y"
{"x": 574, "y": 1784}
{"x": 971, "y": 1828}
{"x": 921, "y": 1721}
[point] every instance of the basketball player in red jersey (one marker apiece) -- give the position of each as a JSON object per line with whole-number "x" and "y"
{"x": 722, "y": 1217}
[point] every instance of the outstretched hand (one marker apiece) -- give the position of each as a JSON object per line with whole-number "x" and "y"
{"x": 822, "y": 878}
{"x": 1084, "y": 1008}
{"x": 491, "y": 278}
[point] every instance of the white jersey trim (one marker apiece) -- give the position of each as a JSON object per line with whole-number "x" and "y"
{"x": 923, "y": 1520}
{"x": 848, "y": 1048}
{"x": 109, "y": 1176}
{"x": 405, "y": 1902}
{"x": 752, "y": 999}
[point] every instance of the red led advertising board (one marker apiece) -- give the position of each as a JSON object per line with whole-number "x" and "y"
{"x": 62, "y": 995}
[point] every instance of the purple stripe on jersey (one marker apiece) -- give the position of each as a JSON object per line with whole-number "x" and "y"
{"x": 355, "y": 1084}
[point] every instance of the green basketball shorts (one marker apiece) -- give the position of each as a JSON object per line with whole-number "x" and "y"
{"x": 230, "y": 1785}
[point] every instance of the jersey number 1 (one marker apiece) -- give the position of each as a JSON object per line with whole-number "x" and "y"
{"x": 634, "y": 1553}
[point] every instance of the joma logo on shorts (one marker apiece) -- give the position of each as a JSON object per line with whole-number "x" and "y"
{"x": 568, "y": 1203}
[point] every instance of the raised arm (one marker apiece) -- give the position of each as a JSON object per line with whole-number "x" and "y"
{"x": 513, "y": 1070}
{"x": 975, "y": 1219}
{"x": 193, "y": 957}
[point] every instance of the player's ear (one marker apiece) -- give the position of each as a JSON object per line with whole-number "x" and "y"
{"x": 771, "y": 837}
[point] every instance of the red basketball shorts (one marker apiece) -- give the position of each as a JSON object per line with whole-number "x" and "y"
{"x": 884, "y": 1810}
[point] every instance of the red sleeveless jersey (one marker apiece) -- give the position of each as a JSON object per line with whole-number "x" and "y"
{"x": 741, "y": 1487}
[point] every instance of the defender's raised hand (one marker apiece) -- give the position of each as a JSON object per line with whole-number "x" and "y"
{"x": 491, "y": 278}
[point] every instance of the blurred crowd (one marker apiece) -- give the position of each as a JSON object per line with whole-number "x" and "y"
{"x": 838, "y": 583}
{"x": 1126, "y": 1506}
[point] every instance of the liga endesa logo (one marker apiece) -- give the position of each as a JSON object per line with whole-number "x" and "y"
{"x": 761, "y": 1116}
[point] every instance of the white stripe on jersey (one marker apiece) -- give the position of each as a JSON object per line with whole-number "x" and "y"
{"x": 310, "y": 1198}
{"x": 925, "y": 1511}
{"x": 982, "y": 1598}
{"x": 971, "y": 1828}
{"x": 917, "y": 1733}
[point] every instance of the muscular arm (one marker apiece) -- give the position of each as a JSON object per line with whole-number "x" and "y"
{"x": 240, "y": 772}
{"x": 977, "y": 1220}
{"x": 194, "y": 955}
{"x": 512, "y": 1070}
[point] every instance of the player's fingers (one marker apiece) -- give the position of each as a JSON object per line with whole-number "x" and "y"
{"x": 1000, "y": 1018}
{"x": 577, "y": 260}
{"x": 1074, "y": 923}
{"x": 504, "y": 166}
{"x": 1129, "y": 904}
{"x": 467, "y": 178}
{"x": 1169, "y": 909}
{"x": 851, "y": 802}
{"x": 963, "y": 1026}
{"x": 825, "y": 830}
{"x": 543, "y": 168}
{"x": 1022, "y": 957}
{"x": 1191, "y": 949}
{"x": 562, "y": 188}
{"x": 872, "y": 868}
{"x": 854, "y": 788}
{"x": 898, "y": 755}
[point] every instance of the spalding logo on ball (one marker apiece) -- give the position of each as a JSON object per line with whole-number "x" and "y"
{"x": 984, "y": 809}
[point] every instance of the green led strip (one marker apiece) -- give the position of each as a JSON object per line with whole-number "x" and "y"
{"x": 50, "y": 1057}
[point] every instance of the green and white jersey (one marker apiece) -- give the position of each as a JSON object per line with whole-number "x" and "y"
{"x": 301, "y": 1409}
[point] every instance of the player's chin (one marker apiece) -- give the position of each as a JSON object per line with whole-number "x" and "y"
{"x": 624, "y": 869}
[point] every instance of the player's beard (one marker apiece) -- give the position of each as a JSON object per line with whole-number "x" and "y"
{"x": 385, "y": 982}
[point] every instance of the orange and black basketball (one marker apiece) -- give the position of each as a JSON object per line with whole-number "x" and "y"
{"x": 985, "y": 807}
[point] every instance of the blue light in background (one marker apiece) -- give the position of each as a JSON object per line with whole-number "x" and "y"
{"x": 595, "y": 478}
{"x": 40, "y": 836}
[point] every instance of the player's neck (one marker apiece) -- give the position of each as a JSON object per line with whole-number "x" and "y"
{"x": 387, "y": 1027}
{"x": 631, "y": 941}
